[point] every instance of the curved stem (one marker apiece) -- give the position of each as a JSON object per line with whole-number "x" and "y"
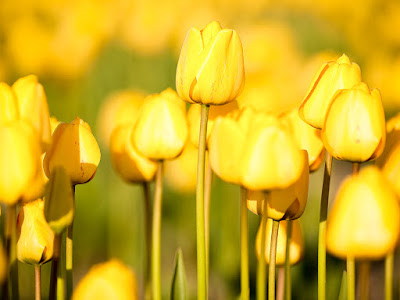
{"x": 272, "y": 260}
{"x": 322, "y": 228}
{"x": 147, "y": 228}
{"x": 364, "y": 279}
{"x": 37, "y": 283}
{"x": 261, "y": 272}
{"x": 389, "y": 261}
{"x": 200, "y": 226}
{"x": 244, "y": 247}
{"x": 351, "y": 286}
{"x": 288, "y": 283}
{"x": 156, "y": 236}
{"x": 207, "y": 203}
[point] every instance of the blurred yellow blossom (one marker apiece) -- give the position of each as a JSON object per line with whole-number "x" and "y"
{"x": 8, "y": 104}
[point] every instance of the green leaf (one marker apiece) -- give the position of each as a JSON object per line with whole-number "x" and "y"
{"x": 343, "y": 287}
{"x": 178, "y": 287}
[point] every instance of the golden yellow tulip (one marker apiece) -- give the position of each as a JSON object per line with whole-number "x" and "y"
{"x": 53, "y": 124}
{"x": 33, "y": 107}
{"x": 333, "y": 76}
{"x": 8, "y": 104}
{"x": 283, "y": 204}
{"x": 34, "y": 236}
{"x": 364, "y": 221}
{"x": 130, "y": 164}
{"x": 19, "y": 160}
{"x": 161, "y": 130}
{"x": 74, "y": 148}
{"x": 109, "y": 280}
{"x": 306, "y": 136}
{"x": 210, "y": 68}
{"x": 354, "y": 128}
{"x": 296, "y": 244}
{"x": 215, "y": 111}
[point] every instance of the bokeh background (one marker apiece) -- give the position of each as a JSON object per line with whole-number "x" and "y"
{"x": 84, "y": 51}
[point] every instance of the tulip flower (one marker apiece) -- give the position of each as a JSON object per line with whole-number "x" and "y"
{"x": 282, "y": 204}
{"x": 8, "y": 104}
{"x": 296, "y": 243}
{"x": 109, "y": 280}
{"x": 307, "y": 138}
{"x": 333, "y": 76}
{"x": 161, "y": 129}
{"x": 33, "y": 107}
{"x": 74, "y": 148}
{"x": 364, "y": 222}
{"x": 354, "y": 128}
{"x": 53, "y": 124}
{"x": 210, "y": 68}
{"x": 130, "y": 164}
{"x": 35, "y": 237}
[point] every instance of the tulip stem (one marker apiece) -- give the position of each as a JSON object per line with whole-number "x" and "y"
{"x": 244, "y": 246}
{"x": 69, "y": 254}
{"x": 207, "y": 203}
{"x": 322, "y": 228}
{"x": 54, "y": 266}
{"x": 37, "y": 283}
{"x": 389, "y": 261}
{"x": 364, "y": 280}
{"x": 202, "y": 285}
{"x": 261, "y": 272}
{"x": 351, "y": 278}
{"x": 156, "y": 236}
{"x": 288, "y": 283}
{"x": 280, "y": 289}
{"x": 147, "y": 226}
{"x": 272, "y": 260}
{"x": 11, "y": 244}
{"x": 62, "y": 271}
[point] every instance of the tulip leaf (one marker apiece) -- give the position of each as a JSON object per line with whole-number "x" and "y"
{"x": 178, "y": 287}
{"x": 343, "y": 287}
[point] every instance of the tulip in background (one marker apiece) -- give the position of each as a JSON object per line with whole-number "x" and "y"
{"x": 8, "y": 104}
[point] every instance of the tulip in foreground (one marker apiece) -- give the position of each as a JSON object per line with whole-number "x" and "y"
{"x": 8, "y": 104}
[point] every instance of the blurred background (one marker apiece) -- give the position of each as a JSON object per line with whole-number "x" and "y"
{"x": 84, "y": 51}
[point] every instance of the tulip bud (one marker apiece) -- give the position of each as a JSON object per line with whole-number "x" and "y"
{"x": 296, "y": 243}
{"x": 354, "y": 128}
{"x": 33, "y": 106}
{"x": 283, "y": 204}
{"x": 8, "y": 104}
{"x": 74, "y": 148}
{"x": 19, "y": 160}
{"x": 210, "y": 68}
{"x": 333, "y": 76}
{"x": 130, "y": 164}
{"x": 161, "y": 130}
{"x": 35, "y": 237}
{"x": 364, "y": 221}
{"x": 307, "y": 137}
{"x": 109, "y": 280}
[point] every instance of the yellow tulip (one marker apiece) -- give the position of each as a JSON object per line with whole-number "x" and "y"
{"x": 296, "y": 244}
{"x": 33, "y": 107}
{"x": 74, "y": 148}
{"x": 210, "y": 68}
{"x": 53, "y": 124}
{"x": 8, "y": 104}
{"x": 283, "y": 204}
{"x": 354, "y": 128}
{"x": 364, "y": 221}
{"x": 37, "y": 186}
{"x": 109, "y": 280}
{"x": 333, "y": 76}
{"x": 19, "y": 160}
{"x": 306, "y": 136}
{"x": 130, "y": 164}
{"x": 161, "y": 130}
{"x": 214, "y": 112}
{"x": 35, "y": 237}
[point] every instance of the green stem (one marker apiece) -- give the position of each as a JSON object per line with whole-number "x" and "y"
{"x": 54, "y": 267}
{"x": 261, "y": 272}
{"x": 288, "y": 283}
{"x": 156, "y": 236}
{"x": 389, "y": 261}
{"x": 244, "y": 247}
{"x": 147, "y": 225}
{"x": 322, "y": 228}
{"x": 200, "y": 218}
{"x": 351, "y": 278}
{"x": 62, "y": 271}
{"x": 37, "y": 283}
{"x": 207, "y": 203}
{"x": 272, "y": 260}
{"x": 364, "y": 280}
{"x": 69, "y": 254}
{"x": 11, "y": 244}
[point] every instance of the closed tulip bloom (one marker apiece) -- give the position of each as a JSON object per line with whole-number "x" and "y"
{"x": 283, "y": 204}
{"x": 354, "y": 128}
{"x": 8, "y": 104}
{"x": 161, "y": 130}
{"x": 75, "y": 148}
{"x": 210, "y": 68}
{"x": 109, "y": 280}
{"x": 307, "y": 138}
{"x": 332, "y": 76}
{"x": 35, "y": 237}
{"x": 130, "y": 164}
{"x": 364, "y": 221}
{"x": 53, "y": 124}
{"x": 296, "y": 243}
{"x": 20, "y": 161}
{"x": 33, "y": 107}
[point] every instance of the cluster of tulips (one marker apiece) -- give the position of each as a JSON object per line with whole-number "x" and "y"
{"x": 269, "y": 156}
